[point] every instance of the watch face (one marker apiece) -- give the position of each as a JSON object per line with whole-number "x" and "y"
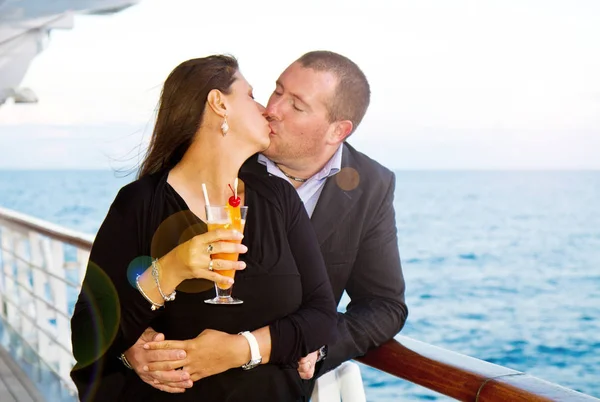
{"x": 251, "y": 364}
{"x": 322, "y": 353}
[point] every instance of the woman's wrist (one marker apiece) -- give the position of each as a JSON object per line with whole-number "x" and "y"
{"x": 147, "y": 288}
{"x": 157, "y": 284}
{"x": 170, "y": 272}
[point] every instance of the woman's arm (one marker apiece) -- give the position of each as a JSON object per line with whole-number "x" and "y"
{"x": 314, "y": 323}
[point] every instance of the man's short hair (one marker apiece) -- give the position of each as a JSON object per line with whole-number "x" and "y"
{"x": 352, "y": 94}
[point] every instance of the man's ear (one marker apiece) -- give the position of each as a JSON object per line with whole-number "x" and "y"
{"x": 217, "y": 102}
{"x": 341, "y": 131}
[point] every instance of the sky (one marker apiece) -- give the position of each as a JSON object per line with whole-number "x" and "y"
{"x": 455, "y": 84}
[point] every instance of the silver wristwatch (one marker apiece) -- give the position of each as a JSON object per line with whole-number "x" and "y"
{"x": 255, "y": 357}
{"x": 322, "y": 355}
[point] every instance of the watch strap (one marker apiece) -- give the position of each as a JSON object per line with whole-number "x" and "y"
{"x": 255, "y": 357}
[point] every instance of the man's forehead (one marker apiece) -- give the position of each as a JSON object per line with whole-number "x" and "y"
{"x": 307, "y": 81}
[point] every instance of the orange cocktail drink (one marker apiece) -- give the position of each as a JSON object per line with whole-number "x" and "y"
{"x": 225, "y": 217}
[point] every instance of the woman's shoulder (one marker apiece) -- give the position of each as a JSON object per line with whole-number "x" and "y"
{"x": 270, "y": 187}
{"x": 275, "y": 191}
{"x": 137, "y": 193}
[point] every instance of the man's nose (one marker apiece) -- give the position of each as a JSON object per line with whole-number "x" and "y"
{"x": 272, "y": 110}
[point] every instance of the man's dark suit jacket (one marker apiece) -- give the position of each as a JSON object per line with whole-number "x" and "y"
{"x": 355, "y": 223}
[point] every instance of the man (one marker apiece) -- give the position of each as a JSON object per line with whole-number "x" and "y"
{"x": 319, "y": 100}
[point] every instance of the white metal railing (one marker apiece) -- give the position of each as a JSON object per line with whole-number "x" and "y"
{"x": 41, "y": 264}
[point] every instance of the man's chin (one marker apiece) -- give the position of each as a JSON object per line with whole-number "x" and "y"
{"x": 269, "y": 151}
{"x": 265, "y": 148}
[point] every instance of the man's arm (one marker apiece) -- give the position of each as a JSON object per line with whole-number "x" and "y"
{"x": 377, "y": 310}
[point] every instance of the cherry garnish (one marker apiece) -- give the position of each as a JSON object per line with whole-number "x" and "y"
{"x": 233, "y": 200}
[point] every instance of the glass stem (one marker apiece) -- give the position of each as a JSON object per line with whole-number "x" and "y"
{"x": 223, "y": 293}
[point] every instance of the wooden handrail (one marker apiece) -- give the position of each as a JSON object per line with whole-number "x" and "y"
{"x": 449, "y": 373}
{"x": 462, "y": 377}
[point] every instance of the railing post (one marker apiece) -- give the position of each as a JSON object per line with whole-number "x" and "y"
{"x": 26, "y": 304}
{"x": 55, "y": 260}
{"x": 3, "y": 233}
{"x": 43, "y": 314}
{"x": 9, "y": 310}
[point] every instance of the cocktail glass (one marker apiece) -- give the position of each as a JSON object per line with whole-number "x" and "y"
{"x": 225, "y": 217}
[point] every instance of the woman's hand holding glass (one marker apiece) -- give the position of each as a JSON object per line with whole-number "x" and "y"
{"x": 195, "y": 261}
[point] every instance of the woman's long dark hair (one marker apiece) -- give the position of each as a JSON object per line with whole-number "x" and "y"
{"x": 181, "y": 108}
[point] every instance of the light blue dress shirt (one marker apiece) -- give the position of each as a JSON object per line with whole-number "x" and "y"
{"x": 310, "y": 190}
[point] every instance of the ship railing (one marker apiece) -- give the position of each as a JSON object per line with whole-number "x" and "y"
{"x": 42, "y": 265}
{"x": 462, "y": 377}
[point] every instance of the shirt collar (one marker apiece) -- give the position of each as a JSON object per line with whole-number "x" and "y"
{"x": 333, "y": 166}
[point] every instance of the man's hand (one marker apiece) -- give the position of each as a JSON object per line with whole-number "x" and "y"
{"x": 169, "y": 381}
{"x": 212, "y": 352}
{"x": 306, "y": 365}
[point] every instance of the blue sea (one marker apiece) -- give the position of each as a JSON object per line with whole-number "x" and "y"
{"x": 502, "y": 266}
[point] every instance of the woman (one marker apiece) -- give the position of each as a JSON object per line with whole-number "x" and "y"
{"x": 154, "y": 242}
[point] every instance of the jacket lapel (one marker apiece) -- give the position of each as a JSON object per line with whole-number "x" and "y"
{"x": 339, "y": 195}
{"x": 252, "y": 165}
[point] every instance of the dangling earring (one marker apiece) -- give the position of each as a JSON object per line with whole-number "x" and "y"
{"x": 224, "y": 126}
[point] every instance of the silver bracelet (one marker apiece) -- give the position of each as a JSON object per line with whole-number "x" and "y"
{"x": 155, "y": 270}
{"x": 155, "y": 306}
{"x": 125, "y": 361}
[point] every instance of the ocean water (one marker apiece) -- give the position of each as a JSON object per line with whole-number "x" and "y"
{"x": 502, "y": 266}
